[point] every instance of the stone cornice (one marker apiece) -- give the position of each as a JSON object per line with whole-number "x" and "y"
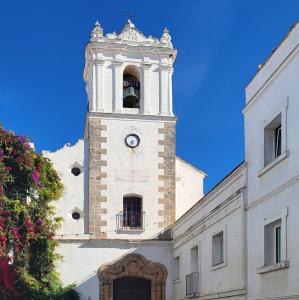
{"x": 131, "y": 116}
{"x": 227, "y": 207}
{"x": 114, "y": 46}
{"x": 88, "y": 238}
{"x": 205, "y": 200}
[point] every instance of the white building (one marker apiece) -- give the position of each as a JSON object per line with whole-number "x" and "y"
{"x": 271, "y": 119}
{"x": 241, "y": 240}
{"x": 208, "y": 243}
{"x": 121, "y": 181}
{"x": 125, "y": 189}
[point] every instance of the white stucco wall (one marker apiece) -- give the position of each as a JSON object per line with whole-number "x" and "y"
{"x": 132, "y": 172}
{"x": 189, "y": 186}
{"x": 220, "y": 210}
{"x": 273, "y": 191}
{"x": 73, "y": 195}
{"x": 82, "y": 260}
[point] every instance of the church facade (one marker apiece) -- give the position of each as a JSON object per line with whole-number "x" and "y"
{"x": 136, "y": 222}
{"x": 124, "y": 185}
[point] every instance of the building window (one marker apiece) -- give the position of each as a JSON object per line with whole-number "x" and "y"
{"x": 217, "y": 249}
{"x": 194, "y": 259}
{"x": 272, "y": 242}
{"x": 192, "y": 279}
{"x": 272, "y": 140}
{"x": 131, "y": 87}
{"x": 176, "y": 268}
{"x": 132, "y": 212}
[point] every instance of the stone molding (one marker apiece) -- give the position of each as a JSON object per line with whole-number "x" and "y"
{"x": 133, "y": 265}
{"x": 97, "y": 171}
{"x": 167, "y": 179}
{"x": 130, "y": 35}
{"x": 113, "y": 115}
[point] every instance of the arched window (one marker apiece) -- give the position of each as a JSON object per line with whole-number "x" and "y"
{"x": 132, "y": 215}
{"x": 131, "y": 87}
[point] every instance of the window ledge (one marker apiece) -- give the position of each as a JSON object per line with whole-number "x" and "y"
{"x": 279, "y": 266}
{"x": 218, "y": 266}
{"x": 176, "y": 281}
{"x": 131, "y": 230}
{"x": 272, "y": 164}
{"x": 195, "y": 295}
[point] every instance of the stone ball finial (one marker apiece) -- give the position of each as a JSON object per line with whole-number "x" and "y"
{"x": 97, "y": 32}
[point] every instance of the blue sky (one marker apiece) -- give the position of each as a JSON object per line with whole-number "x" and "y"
{"x": 219, "y": 42}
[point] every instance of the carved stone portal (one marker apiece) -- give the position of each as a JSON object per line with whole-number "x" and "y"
{"x": 133, "y": 265}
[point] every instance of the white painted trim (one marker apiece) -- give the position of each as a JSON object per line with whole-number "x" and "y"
{"x": 269, "y": 81}
{"x": 274, "y": 163}
{"x": 270, "y": 219}
{"x": 275, "y": 267}
{"x": 232, "y": 177}
{"x": 217, "y": 230}
{"x": 273, "y": 193}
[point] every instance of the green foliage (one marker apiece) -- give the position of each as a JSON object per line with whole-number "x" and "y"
{"x": 28, "y": 186}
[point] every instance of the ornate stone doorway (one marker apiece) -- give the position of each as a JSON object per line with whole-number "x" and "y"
{"x": 132, "y": 268}
{"x": 131, "y": 288}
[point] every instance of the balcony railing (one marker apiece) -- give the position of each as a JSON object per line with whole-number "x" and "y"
{"x": 127, "y": 220}
{"x": 192, "y": 282}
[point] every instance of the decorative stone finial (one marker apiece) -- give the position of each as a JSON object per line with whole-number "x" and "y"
{"x": 166, "y": 38}
{"x": 97, "y": 32}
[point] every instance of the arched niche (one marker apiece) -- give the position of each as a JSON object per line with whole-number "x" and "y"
{"x": 131, "y": 87}
{"x": 136, "y": 266}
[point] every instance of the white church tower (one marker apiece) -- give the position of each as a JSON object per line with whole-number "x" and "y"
{"x": 130, "y": 129}
{"x": 124, "y": 185}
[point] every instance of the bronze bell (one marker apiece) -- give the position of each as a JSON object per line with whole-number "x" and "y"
{"x": 131, "y": 99}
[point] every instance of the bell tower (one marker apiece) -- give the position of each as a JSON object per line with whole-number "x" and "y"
{"x": 130, "y": 133}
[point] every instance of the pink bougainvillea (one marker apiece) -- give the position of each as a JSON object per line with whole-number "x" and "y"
{"x": 27, "y": 228}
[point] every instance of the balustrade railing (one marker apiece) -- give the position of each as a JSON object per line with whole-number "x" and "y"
{"x": 130, "y": 220}
{"x": 192, "y": 283}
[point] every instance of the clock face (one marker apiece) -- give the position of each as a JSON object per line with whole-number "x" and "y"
{"x": 132, "y": 140}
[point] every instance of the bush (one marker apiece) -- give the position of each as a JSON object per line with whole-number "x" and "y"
{"x": 28, "y": 186}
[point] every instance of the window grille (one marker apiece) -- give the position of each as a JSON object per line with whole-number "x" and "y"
{"x": 192, "y": 282}
{"x": 132, "y": 216}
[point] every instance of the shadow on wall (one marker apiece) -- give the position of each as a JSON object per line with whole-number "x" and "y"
{"x": 89, "y": 286}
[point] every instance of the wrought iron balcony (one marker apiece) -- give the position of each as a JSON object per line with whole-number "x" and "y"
{"x": 192, "y": 282}
{"x": 130, "y": 220}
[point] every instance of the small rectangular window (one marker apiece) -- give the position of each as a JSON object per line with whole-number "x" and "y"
{"x": 218, "y": 249}
{"x": 176, "y": 268}
{"x": 272, "y": 140}
{"x": 272, "y": 243}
